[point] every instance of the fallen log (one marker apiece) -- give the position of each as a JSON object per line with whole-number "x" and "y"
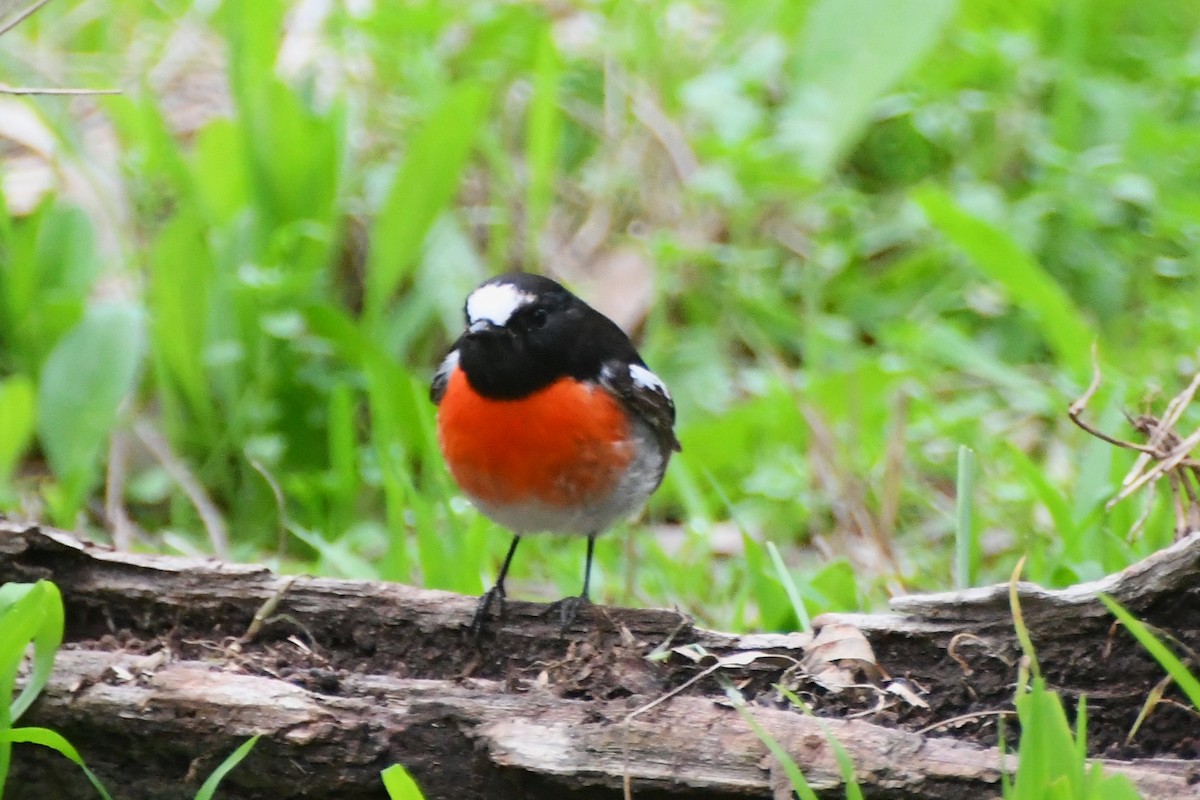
{"x": 166, "y": 669}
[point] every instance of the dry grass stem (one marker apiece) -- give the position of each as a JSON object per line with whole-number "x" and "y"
{"x": 1164, "y": 454}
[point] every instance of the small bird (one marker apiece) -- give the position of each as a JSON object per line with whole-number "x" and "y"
{"x": 548, "y": 419}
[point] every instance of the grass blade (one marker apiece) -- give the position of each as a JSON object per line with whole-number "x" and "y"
{"x": 789, "y": 586}
{"x": 790, "y": 767}
{"x": 1014, "y": 604}
{"x": 1162, "y": 654}
{"x": 400, "y": 785}
{"x": 17, "y": 411}
{"x": 965, "y": 546}
{"x": 209, "y": 788}
{"x": 423, "y": 186}
{"x": 543, "y": 138}
{"x": 845, "y": 762}
{"x": 996, "y": 254}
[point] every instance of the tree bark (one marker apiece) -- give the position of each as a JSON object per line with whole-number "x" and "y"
{"x": 159, "y": 679}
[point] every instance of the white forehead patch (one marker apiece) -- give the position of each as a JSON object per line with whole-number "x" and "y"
{"x": 646, "y": 379}
{"x": 496, "y": 303}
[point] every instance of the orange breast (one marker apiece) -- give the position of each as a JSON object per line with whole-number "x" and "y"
{"x": 565, "y": 445}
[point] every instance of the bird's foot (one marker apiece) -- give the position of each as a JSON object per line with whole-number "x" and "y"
{"x": 568, "y": 609}
{"x": 493, "y": 595}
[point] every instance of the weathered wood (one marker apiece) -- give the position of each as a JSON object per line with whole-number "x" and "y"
{"x": 1167, "y": 573}
{"x": 154, "y": 688}
{"x": 334, "y": 745}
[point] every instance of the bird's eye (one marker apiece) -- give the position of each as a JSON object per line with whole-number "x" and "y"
{"x": 537, "y": 318}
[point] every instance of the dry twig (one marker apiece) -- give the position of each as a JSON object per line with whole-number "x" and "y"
{"x": 1165, "y": 453}
{"x": 186, "y": 480}
{"x": 20, "y": 17}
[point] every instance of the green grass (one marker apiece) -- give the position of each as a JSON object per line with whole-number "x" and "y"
{"x": 877, "y": 232}
{"x": 208, "y": 789}
{"x": 31, "y": 630}
{"x": 855, "y": 272}
{"x": 400, "y": 785}
{"x": 1051, "y": 758}
{"x": 31, "y": 616}
{"x": 1170, "y": 662}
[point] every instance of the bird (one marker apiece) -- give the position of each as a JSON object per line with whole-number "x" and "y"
{"x": 549, "y": 420}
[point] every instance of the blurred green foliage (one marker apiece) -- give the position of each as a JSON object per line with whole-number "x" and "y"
{"x": 875, "y": 230}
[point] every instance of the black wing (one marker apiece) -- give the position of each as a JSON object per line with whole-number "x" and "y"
{"x": 646, "y": 395}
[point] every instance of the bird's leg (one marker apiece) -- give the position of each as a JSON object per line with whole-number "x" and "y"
{"x": 568, "y": 607}
{"x": 496, "y": 593}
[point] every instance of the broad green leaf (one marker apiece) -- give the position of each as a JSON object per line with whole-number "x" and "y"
{"x": 60, "y": 264}
{"x": 181, "y": 275}
{"x": 400, "y": 785}
{"x": 768, "y": 591}
{"x": 209, "y": 788}
{"x": 145, "y": 133}
{"x": 424, "y": 184}
{"x": 55, "y": 741}
{"x": 853, "y": 51}
{"x": 295, "y": 152}
{"x": 1000, "y": 258}
{"x": 16, "y": 421}
{"x": 834, "y": 587}
{"x": 1042, "y": 738}
{"x": 47, "y": 265}
{"x": 293, "y": 146}
{"x": 253, "y": 32}
{"x": 83, "y": 383}
{"x": 30, "y": 613}
{"x": 222, "y": 190}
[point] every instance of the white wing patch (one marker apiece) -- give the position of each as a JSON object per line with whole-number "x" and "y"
{"x": 448, "y": 364}
{"x": 495, "y": 303}
{"x": 441, "y": 378}
{"x": 645, "y": 379}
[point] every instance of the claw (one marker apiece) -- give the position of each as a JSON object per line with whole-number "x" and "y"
{"x": 495, "y": 594}
{"x": 568, "y": 609}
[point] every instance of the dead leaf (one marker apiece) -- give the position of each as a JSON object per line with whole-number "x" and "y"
{"x": 838, "y": 655}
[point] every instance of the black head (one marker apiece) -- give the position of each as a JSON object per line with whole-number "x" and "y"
{"x": 524, "y": 332}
